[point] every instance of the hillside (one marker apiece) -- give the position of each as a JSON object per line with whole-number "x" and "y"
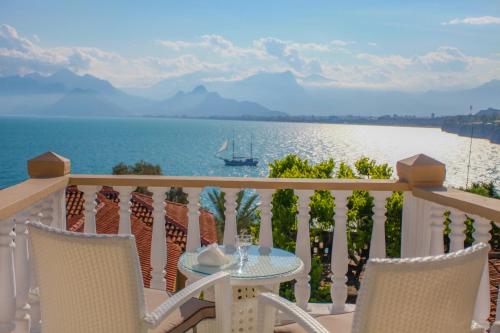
{"x": 202, "y": 103}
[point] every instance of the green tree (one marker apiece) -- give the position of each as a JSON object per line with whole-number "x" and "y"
{"x": 359, "y": 225}
{"x": 174, "y": 194}
{"x": 486, "y": 189}
{"x": 247, "y": 216}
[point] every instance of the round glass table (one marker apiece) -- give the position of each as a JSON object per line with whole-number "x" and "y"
{"x": 263, "y": 267}
{"x": 264, "y": 270}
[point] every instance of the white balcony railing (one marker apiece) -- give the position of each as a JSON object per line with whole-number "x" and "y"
{"x": 425, "y": 202}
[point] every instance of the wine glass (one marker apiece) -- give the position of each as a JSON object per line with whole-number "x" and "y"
{"x": 243, "y": 243}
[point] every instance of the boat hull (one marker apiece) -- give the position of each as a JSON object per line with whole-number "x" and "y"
{"x": 242, "y": 162}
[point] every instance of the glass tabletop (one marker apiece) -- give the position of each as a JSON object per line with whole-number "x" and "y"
{"x": 261, "y": 264}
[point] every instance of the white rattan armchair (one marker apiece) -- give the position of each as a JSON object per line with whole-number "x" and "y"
{"x": 93, "y": 283}
{"x": 424, "y": 295}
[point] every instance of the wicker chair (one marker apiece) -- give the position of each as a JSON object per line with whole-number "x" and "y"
{"x": 93, "y": 283}
{"x": 424, "y": 295}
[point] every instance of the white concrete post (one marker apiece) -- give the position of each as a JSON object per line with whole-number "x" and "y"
{"x": 193, "y": 235}
{"x": 437, "y": 229}
{"x": 47, "y": 210}
{"x": 230, "y": 226}
{"x": 340, "y": 255}
{"x": 482, "y": 234}
{"x": 125, "y": 197}
{"x": 90, "y": 209}
{"x": 60, "y": 209}
{"x": 457, "y": 226}
{"x": 22, "y": 267}
{"x": 35, "y": 315}
{"x": 377, "y": 243}
{"x": 266, "y": 228}
{"x": 302, "y": 287}
{"x": 159, "y": 241}
{"x": 7, "y": 276}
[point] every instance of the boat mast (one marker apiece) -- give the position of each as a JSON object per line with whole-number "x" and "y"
{"x": 251, "y": 147}
{"x": 233, "y": 144}
{"x": 470, "y": 146}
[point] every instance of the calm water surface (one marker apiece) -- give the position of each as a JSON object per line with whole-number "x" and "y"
{"x": 187, "y": 147}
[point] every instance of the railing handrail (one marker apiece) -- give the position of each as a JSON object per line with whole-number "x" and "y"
{"x": 20, "y": 196}
{"x": 469, "y": 203}
{"x": 237, "y": 182}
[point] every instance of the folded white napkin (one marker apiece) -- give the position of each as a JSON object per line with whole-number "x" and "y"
{"x": 212, "y": 255}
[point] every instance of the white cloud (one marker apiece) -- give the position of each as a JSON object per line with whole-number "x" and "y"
{"x": 445, "y": 58}
{"x": 215, "y": 57}
{"x": 390, "y": 60}
{"x": 176, "y": 45}
{"x": 372, "y": 44}
{"x": 338, "y": 42}
{"x": 215, "y": 43}
{"x": 289, "y": 53}
{"x": 481, "y": 20}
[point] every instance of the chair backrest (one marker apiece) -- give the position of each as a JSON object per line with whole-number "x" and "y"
{"x": 431, "y": 294}
{"x": 87, "y": 283}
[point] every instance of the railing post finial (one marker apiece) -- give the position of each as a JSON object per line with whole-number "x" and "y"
{"x": 48, "y": 165}
{"x": 421, "y": 170}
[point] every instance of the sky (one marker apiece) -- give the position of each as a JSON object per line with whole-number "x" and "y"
{"x": 397, "y": 45}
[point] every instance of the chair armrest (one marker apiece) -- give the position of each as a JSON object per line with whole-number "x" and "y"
{"x": 220, "y": 280}
{"x": 300, "y": 316}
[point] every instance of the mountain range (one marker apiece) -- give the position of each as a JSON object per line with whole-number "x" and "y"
{"x": 65, "y": 93}
{"x": 314, "y": 95}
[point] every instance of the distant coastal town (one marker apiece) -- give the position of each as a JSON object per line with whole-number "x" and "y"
{"x": 484, "y": 124}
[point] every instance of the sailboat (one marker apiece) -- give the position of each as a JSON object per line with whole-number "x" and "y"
{"x": 237, "y": 160}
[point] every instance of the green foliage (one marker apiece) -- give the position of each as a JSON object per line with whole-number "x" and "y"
{"x": 139, "y": 168}
{"x": 370, "y": 168}
{"x": 175, "y": 194}
{"x": 285, "y": 202}
{"x": 345, "y": 171}
{"x": 483, "y": 188}
{"x": 359, "y": 224}
{"x": 246, "y": 207}
{"x": 486, "y": 189}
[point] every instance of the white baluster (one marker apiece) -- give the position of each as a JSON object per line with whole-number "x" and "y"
{"x": 36, "y": 212}
{"x": 22, "y": 266}
{"x": 60, "y": 209}
{"x": 266, "y": 228}
{"x": 35, "y": 315}
{"x": 7, "y": 276}
{"x": 339, "y": 252}
{"x": 90, "y": 209}
{"x": 302, "y": 287}
{"x": 482, "y": 234}
{"x": 193, "y": 236}
{"x": 230, "y": 227}
{"x": 125, "y": 196}
{"x": 437, "y": 229}
{"x": 457, "y": 226}
{"x": 377, "y": 243}
{"x": 415, "y": 231}
{"x": 158, "y": 242}
{"x": 47, "y": 205}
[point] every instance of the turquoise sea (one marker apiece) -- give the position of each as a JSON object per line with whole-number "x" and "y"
{"x": 187, "y": 147}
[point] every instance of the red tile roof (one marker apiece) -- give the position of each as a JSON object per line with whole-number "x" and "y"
{"x": 176, "y": 221}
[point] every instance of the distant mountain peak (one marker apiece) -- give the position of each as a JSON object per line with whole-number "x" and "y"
{"x": 200, "y": 90}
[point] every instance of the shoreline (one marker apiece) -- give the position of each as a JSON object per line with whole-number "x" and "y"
{"x": 487, "y": 131}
